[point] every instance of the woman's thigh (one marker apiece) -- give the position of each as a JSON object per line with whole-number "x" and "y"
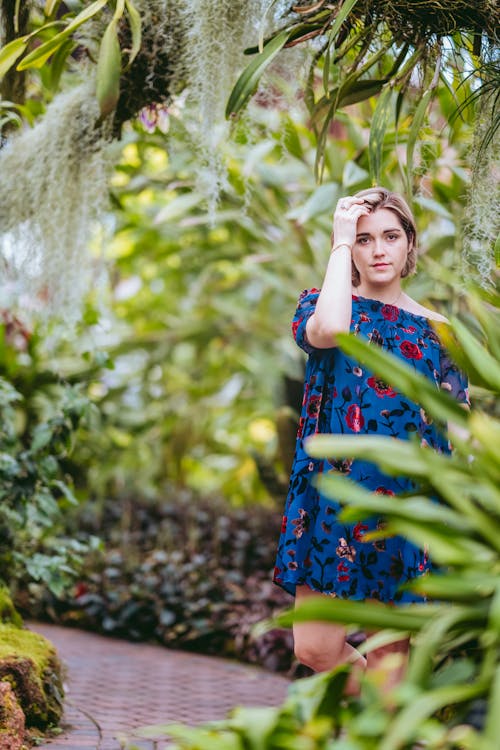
{"x": 323, "y": 642}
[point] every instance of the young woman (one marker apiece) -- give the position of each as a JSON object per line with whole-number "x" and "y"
{"x": 374, "y": 246}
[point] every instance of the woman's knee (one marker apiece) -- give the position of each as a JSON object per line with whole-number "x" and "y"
{"x": 318, "y": 646}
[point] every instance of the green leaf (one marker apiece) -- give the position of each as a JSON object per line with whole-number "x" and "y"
{"x": 134, "y": 18}
{"x": 444, "y": 549}
{"x": 41, "y": 54}
{"x": 65, "y": 491}
{"x": 392, "y": 455}
{"x": 412, "y": 384}
{"x": 492, "y": 724}
{"x": 58, "y": 62}
{"x": 375, "y": 616}
{"x": 406, "y": 723}
{"x": 453, "y": 587}
{"x": 352, "y": 92}
{"x": 485, "y": 366}
{"x": 378, "y": 128}
{"x": 345, "y": 491}
{"x": 417, "y": 121}
{"x": 42, "y": 435}
{"x": 341, "y": 16}
{"x": 321, "y": 201}
{"x": 109, "y": 70}
{"x": 50, "y": 7}
{"x": 11, "y": 52}
{"x": 248, "y": 81}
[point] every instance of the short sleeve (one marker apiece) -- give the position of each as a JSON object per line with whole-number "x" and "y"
{"x": 305, "y": 308}
{"x": 453, "y": 380}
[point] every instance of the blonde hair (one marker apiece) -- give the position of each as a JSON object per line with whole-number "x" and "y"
{"x": 379, "y": 197}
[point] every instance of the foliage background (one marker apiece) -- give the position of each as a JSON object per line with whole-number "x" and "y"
{"x": 184, "y": 352}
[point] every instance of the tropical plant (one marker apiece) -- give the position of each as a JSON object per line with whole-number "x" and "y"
{"x": 367, "y": 49}
{"x": 454, "y": 667}
{"x": 111, "y": 59}
{"x": 36, "y": 436}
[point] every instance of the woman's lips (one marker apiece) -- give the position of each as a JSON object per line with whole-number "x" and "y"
{"x": 380, "y": 265}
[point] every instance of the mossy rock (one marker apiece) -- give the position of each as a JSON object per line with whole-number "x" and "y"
{"x": 29, "y": 662}
{"x": 11, "y": 719}
{"x": 8, "y": 613}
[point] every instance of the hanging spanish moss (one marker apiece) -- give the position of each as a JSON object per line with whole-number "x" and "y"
{"x": 55, "y": 175}
{"x": 482, "y": 213}
{"x": 54, "y": 186}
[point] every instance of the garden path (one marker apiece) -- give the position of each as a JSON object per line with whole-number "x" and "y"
{"x": 115, "y": 686}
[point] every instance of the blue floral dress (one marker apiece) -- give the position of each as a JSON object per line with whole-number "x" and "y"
{"x": 316, "y": 548}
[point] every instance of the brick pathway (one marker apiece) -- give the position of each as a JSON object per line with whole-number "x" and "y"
{"x": 115, "y": 686}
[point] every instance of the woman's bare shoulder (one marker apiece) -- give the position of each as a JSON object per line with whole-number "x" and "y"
{"x": 417, "y": 309}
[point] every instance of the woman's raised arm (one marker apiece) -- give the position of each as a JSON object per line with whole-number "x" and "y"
{"x": 334, "y": 306}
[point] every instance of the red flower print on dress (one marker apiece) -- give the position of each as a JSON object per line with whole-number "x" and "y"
{"x": 313, "y": 405}
{"x": 283, "y": 524}
{"x": 354, "y": 418}
{"x": 358, "y": 531}
{"x": 410, "y": 350}
{"x": 389, "y": 312}
{"x": 384, "y": 491}
{"x": 295, "y": 326}
{"x": 381, "y": 388}
{"x": 342, "y": 569}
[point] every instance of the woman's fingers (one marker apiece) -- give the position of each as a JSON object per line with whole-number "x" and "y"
{"x": 347, "y": 214}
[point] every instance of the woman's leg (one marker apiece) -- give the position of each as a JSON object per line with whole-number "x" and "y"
{"x": 388, "y": 664}
{"x": 322, "y": 645}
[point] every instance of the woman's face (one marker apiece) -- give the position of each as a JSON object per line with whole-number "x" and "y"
{"x": 381, "y": 247}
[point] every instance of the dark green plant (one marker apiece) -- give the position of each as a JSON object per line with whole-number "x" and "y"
{"x": 185, "y": 571}
{"x": 35, "y": 491}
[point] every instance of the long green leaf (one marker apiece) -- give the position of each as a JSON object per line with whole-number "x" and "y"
{"x": 412, "y": 384}
{"x": 417, "y": 121}
{"x": 374, "y": 616}
{"x": 134, "y": 18}
{"x": 427, "y": 644}
{"x": 378, "y": 128}
{"x": 445, "y": 550}
{"x": 337, "y": 486}
{"x": 12, "y": 52}
{"x": 109, "y": 70}
{"x": 392, "y": 455}
{"x": 452, "y": 587}
{"x": 248, "y": 81}
{"x": 41, "y": 54}
{"x": 50, "y": 7}
{"x": 405, "y": 726}
{"x": 486, "y": 365}
{"x": 341, "y": 16}
{"x": 492, "y": 724}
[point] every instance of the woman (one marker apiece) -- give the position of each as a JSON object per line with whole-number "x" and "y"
{"x": 374, "y": 247}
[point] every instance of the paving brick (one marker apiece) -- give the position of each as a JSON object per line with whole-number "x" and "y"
{"x": 114, "y": 687}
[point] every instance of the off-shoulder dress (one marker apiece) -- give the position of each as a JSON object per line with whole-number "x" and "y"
{"x": 316, "y": 548}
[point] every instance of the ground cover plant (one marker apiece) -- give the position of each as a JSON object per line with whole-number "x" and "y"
{"x": 186, "y": 572}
